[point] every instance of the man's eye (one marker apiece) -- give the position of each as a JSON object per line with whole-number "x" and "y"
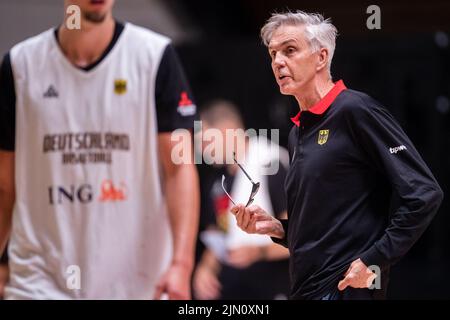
{"x": 290, "y": 50}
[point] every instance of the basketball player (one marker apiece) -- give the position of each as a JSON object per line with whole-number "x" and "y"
{"x": 93, "y": 203}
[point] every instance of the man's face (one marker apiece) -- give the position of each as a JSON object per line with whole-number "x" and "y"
{"x": 293, "y": 63}
{"x": 94, "y": 11}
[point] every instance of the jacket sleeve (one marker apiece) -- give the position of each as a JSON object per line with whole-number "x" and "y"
{"x": 283, "y": 242}
{"x": 392, "y": 154}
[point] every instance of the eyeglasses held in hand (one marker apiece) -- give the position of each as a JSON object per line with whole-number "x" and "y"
{"x": 255, "y": 186}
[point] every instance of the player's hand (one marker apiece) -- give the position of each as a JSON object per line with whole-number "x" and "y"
{"x": 357, "y": 276}
{"x": 253, "y": 219}
{"x": 244, "y": 256}
{"x": 175, "y": 282}
{"x": 205, "y": 283}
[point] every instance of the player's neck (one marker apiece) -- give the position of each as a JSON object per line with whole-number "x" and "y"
{"x": 85, "y": 46}
{"x": 318, "y": 89}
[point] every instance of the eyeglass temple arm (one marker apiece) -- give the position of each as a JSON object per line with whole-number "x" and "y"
{"x": 223, "y": 187}
{"x": 245, "y": 172}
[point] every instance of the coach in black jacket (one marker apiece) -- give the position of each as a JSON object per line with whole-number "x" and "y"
{"x": 359, "y": 194}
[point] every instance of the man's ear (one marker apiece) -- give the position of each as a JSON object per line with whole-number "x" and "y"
{"x": 322, "y": 59}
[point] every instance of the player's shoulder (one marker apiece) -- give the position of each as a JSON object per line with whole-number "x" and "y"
{"x": 353, "y": 102}
{"x": 37, "y": 44}
{"x": 144, "y": 37}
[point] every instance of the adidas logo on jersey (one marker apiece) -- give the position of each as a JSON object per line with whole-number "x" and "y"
{"x": 186, "y": 107}
{"x": 51, "y": 92}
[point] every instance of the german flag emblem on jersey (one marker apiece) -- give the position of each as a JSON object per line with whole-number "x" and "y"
{"x": 323, "y": 136}
{"x": 120, "y": 86}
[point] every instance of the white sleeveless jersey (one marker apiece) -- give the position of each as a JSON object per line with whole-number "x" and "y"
{"x": 90, "y": 219}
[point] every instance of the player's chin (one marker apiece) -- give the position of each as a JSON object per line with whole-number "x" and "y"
{"x": 95, "y": 16}
{"x": 286, "y": 90}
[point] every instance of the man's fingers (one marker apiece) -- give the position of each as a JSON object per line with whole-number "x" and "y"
{"x": 246, "y": 219}
{"x": 158, "y": 292}
{"x": 206, "y": 288}
{"x": 208, "y": 293}
{"x": 254, "y": 209}
{"x": 235, "y": 209}
{"x": 239, "y": 218}
{"x": 243, "y": 217}
{"x": 214, "y": 286}
{"x": 175, "y": 295}
{"x": 238, "y": 212}
{"x": 343, "y": 284}
{"x": 346, "y": 282}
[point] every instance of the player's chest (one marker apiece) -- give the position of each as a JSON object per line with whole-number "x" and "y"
{"x": 108, "y": 94}
{"x": 324, "y": 150}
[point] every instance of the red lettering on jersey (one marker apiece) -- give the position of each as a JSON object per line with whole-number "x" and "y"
{"x": 111, "y": 193}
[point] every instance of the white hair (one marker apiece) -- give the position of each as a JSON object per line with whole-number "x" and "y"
{"x": 320, "y": 32}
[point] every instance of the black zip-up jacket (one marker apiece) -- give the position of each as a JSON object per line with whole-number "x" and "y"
{"x": 356, "y": 188}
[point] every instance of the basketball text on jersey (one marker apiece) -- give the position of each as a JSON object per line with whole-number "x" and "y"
{"x": 86, "y": 147}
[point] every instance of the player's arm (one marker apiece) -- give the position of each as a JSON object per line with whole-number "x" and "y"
{"x": 7, "y": 196}
{"x": 176, "y": 110}
{"x": 419, "y": 195}
{"x": 182, "y": 197}
{"x": 417, "y": 192}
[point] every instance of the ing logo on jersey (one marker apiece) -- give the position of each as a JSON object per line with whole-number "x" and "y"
{"x": 86, "y": 193}
{"x": 323, "y": 137}
{"x": 120, "y": 86}
{"x": 109, "y": 192}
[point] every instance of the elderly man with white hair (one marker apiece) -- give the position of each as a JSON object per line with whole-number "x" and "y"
{"x": 359, "y": 194}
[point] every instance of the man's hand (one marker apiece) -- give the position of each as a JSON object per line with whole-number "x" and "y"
{"x": 357, "y": 276}
{"x": 255, "y": 220}
{"x": 175, "y": 283}
{"x": 205, "y": 283}
{"x": 182, "y": 198}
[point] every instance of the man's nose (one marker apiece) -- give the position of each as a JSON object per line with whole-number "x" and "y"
{"x": 279, "y": 60}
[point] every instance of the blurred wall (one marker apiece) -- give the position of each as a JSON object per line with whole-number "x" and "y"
{"x": 20, "y": 19}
